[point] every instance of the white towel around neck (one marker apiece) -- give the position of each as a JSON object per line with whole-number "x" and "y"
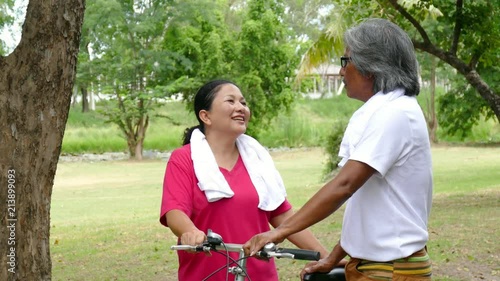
{"x": 258, "y": 162}
{"x": 359, "y": 120}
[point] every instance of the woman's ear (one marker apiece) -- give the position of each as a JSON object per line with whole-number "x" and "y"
{"x": 204, "y": 117}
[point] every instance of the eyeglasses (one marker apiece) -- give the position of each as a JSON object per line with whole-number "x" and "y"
{"x": 344, "y": 61}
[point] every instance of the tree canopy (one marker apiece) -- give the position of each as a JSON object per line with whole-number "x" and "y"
{"x": 471, "y": 50}
{"x": 255, "y": 52}
{"x": 141, "y": 52}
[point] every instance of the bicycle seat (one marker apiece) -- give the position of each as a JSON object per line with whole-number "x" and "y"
{"x": 337, "y": 274}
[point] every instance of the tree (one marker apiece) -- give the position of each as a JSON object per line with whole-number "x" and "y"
{"x": 125, "y": 37}
{"x": 431, "y": 104}
{"x": 255, "y": 52}
{"x": 84, "y": 75}
{"x": 36, "y": 83}
{"x": 473, "y": 49}
{"x": 267, "y": 62}
{"x": 203, "y": 44}
{"x": 307, "y": 18}
{"x": 429, "y": 73}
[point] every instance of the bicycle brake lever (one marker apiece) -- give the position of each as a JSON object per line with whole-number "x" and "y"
{"x": 264, "y": 252}
{"x": 269, "y": 247}
{"x": 213, "y": 238}
{"x": 262, "y": 255}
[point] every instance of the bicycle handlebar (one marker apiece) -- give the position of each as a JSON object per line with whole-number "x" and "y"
{"x": 214, "y": 243}
{"x": 300, "y": 254}
{"x": 269, "y": 251}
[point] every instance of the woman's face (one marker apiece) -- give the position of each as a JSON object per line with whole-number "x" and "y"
{"x": 229, "y": 111}
{"x": 357, "y": 85}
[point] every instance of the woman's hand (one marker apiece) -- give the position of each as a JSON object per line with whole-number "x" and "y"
{"x": 193, "y": 237}
{"x": 257, "y": 242}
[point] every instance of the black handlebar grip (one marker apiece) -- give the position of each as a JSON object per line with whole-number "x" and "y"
{"x": 337, "y": 274}
{"x": 299, "y": 254}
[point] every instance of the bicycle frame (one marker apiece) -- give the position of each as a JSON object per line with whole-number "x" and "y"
{"x": 242, "y": 262}
{"x": 238, "y": 271}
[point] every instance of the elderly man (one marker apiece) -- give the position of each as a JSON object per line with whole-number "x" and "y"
{"x": 386, "y": 174}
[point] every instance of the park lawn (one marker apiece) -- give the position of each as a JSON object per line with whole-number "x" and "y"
{"x": 104, "y": 216}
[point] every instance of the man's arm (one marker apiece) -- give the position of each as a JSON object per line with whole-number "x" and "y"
{"x": 304, "y": 239}
{"x": 326, "y": 201}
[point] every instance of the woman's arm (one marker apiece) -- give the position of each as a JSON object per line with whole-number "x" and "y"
{"x": 182, "y": 226}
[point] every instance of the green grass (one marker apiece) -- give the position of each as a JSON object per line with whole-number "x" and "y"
{"x": 457, "y": 176}
{"x": 105, "y": 225}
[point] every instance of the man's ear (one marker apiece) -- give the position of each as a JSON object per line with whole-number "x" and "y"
{"x": 204, "y": 116}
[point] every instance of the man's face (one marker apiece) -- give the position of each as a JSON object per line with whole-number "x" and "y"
{"x": 358, "y": 86}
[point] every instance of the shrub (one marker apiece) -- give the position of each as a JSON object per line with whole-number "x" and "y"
{"x": 331, "y": 146}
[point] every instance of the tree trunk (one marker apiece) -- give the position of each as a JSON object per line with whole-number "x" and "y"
{"x": 85, "y": 99}
{"x": 132, "y": 146}
{"x": 138, "y": 150}
{"x": 135, "y": 148}
{"x": 36, "y": 84}
{"x": 432, "y": 120}
{"x": 135, "y": 140}
{"x": 74, "y": 97}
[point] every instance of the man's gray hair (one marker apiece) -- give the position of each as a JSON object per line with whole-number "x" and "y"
{"x": 382, "y": 49}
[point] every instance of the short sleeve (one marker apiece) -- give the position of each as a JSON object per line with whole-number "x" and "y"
{"x": 385, "y": 141}
{"x": 284, "y": 207}
{"x": 177, "y": 185}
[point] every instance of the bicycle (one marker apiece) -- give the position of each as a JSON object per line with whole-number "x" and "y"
{"x": 215, "y": 243}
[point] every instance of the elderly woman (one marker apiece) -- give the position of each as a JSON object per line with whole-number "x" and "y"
{"x": 386, "y": 172}
{"x": 224, "y": 180}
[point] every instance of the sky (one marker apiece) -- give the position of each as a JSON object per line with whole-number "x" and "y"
{"x": 12, "y": 34}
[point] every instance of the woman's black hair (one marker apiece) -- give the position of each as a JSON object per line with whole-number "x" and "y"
{"x": 203, "y": 101}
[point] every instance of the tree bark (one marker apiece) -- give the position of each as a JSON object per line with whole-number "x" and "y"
{"x": 36, "y": 85}
{"x": 135, "y": 138}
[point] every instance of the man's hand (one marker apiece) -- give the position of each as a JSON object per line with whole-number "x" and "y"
{"x": 257, "y": 242}
{"x": 323, "y": 265}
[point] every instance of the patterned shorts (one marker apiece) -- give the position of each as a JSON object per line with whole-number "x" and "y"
{"x": 416, "y": 267}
